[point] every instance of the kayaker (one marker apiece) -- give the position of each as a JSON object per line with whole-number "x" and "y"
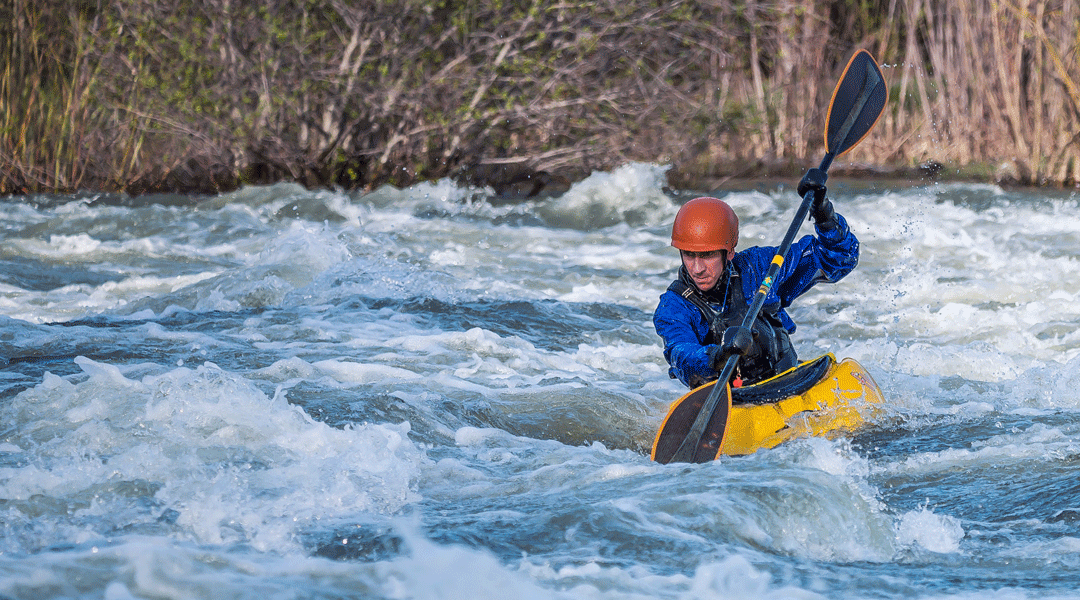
{"x": 700, "y": 315}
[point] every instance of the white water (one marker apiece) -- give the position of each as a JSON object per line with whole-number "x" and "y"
{"x": 417, "y": 394}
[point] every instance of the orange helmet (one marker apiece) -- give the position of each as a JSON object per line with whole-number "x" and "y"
{"x": 705, "y": 224}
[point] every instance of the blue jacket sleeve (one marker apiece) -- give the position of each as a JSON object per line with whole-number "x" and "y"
{"x": 826, "y": 257}
{"x": 683, "y": 329}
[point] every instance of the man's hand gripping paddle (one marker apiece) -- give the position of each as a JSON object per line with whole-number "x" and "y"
{"x": 857, "y": 102}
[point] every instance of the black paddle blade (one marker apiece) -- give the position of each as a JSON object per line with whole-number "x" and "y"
{"x": 681, "y": 418}
{"x": 857, "y": 102}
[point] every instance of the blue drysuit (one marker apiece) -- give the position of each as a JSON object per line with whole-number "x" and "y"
{"x": 828, "y": 257}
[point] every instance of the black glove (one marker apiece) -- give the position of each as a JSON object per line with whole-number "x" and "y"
{"x": 736, "y": 340}
{"x": 821, "y": 210}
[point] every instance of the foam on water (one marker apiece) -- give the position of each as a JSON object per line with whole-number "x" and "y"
{"x": 223, "y": 463}
{"x": 972, "y": 279}
{"x": 936, "y": 533}
{"x": 455, "y": 396}
{"x": 151, "y": 567}
{"x": 799, "y": 510}
{"x": 631, "y": 194}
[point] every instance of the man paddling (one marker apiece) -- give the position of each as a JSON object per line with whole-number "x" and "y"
{"x": 700, "y": 315}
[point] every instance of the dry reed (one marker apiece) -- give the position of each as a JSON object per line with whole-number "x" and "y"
{"x": 201, "y": 95}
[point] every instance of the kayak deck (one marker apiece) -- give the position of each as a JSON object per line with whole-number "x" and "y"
{"x": 836, "y": 403}
{"x": 818, "y": 397}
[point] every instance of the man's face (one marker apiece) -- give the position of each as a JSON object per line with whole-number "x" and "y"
{"x": 705, "y": 268}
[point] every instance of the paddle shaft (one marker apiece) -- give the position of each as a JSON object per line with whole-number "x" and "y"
{"x": 694, "y": 447}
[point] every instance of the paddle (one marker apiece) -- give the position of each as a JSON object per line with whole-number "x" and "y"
{"x": 856, "y": 104}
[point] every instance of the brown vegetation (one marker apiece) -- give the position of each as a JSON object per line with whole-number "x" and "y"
{"x": 204, "y": 95}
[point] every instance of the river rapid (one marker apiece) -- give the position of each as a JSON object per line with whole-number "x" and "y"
{"x": 433, "y": 393}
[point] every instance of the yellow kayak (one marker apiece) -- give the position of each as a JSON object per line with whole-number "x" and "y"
{"x": 816, "y": 398}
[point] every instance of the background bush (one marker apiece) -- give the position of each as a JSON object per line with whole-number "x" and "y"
{"x": 206, "y": 95}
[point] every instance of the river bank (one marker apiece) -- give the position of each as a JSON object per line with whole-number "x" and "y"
{"x": 519, "y": 183}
